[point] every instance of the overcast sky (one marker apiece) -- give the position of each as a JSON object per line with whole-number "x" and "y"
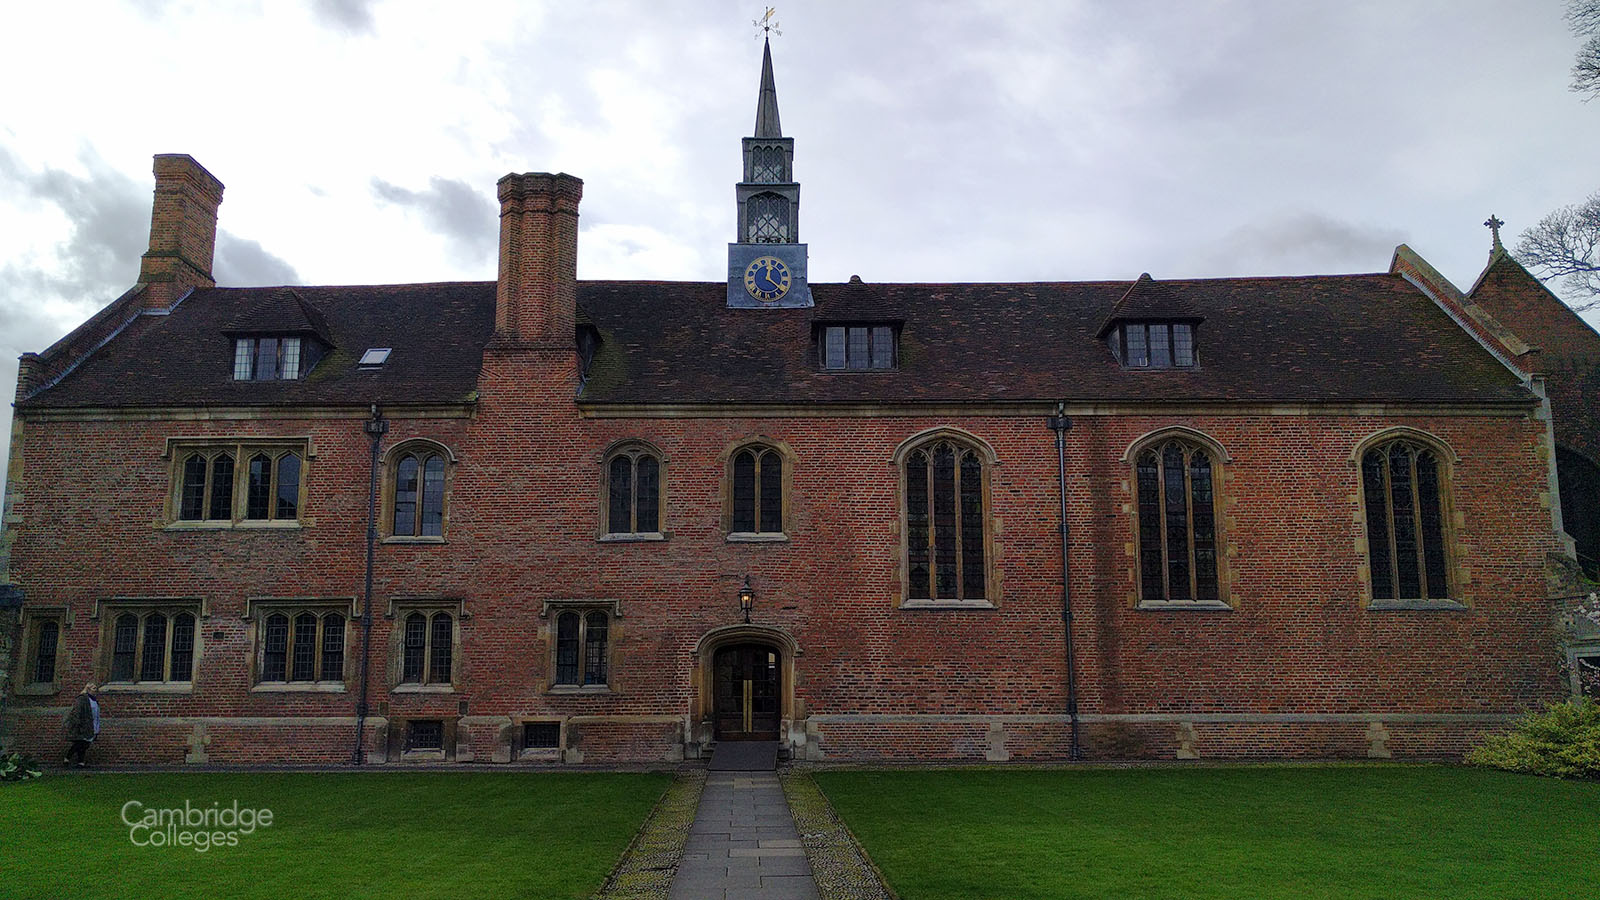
{"x": 360, "y": 141}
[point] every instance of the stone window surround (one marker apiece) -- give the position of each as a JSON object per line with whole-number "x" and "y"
{"x": 241, "y": 448}
{"x": 539, "y": 754}
{"x": 993, "y": 580}
{"x": 760, "y": 444}
{"x": 548, "y": 610}
{"x": 399, "y": 609}
{"x": 22, "y": 682}
{"x": 1451, "y": 521}
{"x": 1221, "y": 504}
{"x": 256, "y": 610}
{"x": 634, "y": 447}
{"x": 386, "y": 490}
{"x": 107, "y": 611}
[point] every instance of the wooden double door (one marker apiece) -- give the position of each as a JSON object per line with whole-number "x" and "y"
{"x": 746, "y": 684}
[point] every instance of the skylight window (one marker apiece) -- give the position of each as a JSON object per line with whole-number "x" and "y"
{"x": 374, "y": 357}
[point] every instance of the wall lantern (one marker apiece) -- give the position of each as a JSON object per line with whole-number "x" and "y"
{"x": 747, "y": 599}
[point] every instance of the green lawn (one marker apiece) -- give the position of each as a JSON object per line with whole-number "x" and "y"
{"x": 446, "y": 834}
{"x": 1242, "y": 833}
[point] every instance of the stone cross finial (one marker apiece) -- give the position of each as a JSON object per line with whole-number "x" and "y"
{"x": 1494, "y": 224}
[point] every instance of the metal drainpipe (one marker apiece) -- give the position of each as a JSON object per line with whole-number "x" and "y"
{"x": 376, "y": 427}
{"x": 1059, "y": 423}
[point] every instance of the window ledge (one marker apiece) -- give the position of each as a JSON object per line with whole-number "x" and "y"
{"x": 1391, "y": 605}
{"x": 148, "y": 687}
{"x": 223, "y": 525}
{"x": 36, "y": 690}
{"x": 422, "y": 756}
{"x": 947, "y": 604}
{"x": 758, "y": 537}
{"x": 423, "y": 689}
{"x": 632, "y": 538}
{"x": 586, "y": 689}
{"x": 414, "y": 539}
{"x": 314, "y": 687}
{"x": 1199, "y": 605}
{"x": 541, "y": 754}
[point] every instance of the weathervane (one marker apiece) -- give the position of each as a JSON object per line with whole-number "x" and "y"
{"x": 766, "y": 25}
{"x": 1494, "y": 224}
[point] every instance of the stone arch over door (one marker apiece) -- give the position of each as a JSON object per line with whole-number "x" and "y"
{"x": 703, "y": 701}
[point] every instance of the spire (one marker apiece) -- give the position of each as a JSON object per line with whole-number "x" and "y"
{"x": 767, "y": 104}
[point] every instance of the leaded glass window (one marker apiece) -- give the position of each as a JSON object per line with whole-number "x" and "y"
{"x": 945, "y": 515}
{"x": 46, "y": 638}
{"x": 152, "y": 645}
{"x": 266, "y": 359}
{"x": 427, "y": 652}
{"x": 1400, "y": 483}
{"x": 757, "y": 489}
{"x": 1154, "y": 345}
{"x": 1177, "y": 523}
{"x": 768, "y": 218}
{"x": 857, "y": 347}
{"x": 633, "y": 492}
{"x": 583, "y": 648}
{"x": 275, "y": 649}
{"x": 208, "y": 478}
{"x": 767, "y": 165}
{"x": 419, "y": 494}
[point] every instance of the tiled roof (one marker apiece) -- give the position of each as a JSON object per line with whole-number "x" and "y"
{"x": 1148, "y": 300}
{"x": 183, "y": 358}
{"x": 1368, "y": 338}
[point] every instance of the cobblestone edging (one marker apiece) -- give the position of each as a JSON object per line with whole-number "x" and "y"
{"x": 839, "y": 865}
{"x": 647, "y": 866}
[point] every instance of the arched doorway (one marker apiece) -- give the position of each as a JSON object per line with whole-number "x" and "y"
{"x": 746, "y": 692}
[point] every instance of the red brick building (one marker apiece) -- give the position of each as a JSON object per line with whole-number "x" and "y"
{"x": 1304, "y": 516}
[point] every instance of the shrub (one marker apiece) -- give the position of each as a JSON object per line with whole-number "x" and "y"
{"x": 1563, "y": 741}
{"x": 16, "y": 767}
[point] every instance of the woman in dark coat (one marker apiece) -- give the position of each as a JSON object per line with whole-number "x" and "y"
{"x": 83, "y": 725}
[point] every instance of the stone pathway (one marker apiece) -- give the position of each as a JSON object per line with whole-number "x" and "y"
{"x": 743, "y": 844}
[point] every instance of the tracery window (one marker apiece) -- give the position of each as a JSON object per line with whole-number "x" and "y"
{"x": 213, "y": 487}
{"x": 767, "y": 165}
{"x": 300, "y": 645}
{"x": 1404, "y": 505}
{"x": 427, "y": 647}
{"x": 756, "y": 491}
{"x": 583, "y": 648}
{"x": 418, "y": 500}
{"x": 946, "y": 508}
{"x": 152, "y": 646}
{"x": 1177, "y": 523}
{"x": 633, "y": 491}
{"x": 768, "y": 218}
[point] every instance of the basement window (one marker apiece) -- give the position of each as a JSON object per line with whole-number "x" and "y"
{"x": 426, "y": 734}
{"x": 541, "y": 735}
{"x": 857, "y": 347}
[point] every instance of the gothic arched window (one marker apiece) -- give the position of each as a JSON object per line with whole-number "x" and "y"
{"x": 1401, "y": 489}
{"x": 756, "y": 491}
{"x": 418, "y": 490}
{"x": 767, "y": 165}
{"x": 768, "y": 218}
{"x": 633, "y": 491}
{"x": 1177, "y": 522}
{"x": 946, "y": 510}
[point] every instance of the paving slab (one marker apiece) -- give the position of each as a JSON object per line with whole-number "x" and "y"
{"x": 743, "y": 844}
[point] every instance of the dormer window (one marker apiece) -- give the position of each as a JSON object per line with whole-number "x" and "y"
{"x": 266, "y": 358}
{"x": 1153, "y": 345}
{"x": 857, "y": 347}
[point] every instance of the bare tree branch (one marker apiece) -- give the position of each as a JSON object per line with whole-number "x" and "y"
{"x": 1584, "y": 18}
{"x": 1566, "y": 245}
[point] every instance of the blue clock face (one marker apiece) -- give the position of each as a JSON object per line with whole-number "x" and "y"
{"x": 767, "y": 278}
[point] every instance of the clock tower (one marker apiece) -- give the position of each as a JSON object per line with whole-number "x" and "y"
{"x": 767, "y": 262}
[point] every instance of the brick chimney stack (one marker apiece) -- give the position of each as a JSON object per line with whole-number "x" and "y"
{"x": 536, "y": 298}
{"x": 183, "y": 230}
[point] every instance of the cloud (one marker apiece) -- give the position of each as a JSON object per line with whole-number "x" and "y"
{"x": 1288, "y": 243}
{"x": 245, "y": 263}
{"x": 452, "y": 209}
{"x": 349, "y": 16}
{"x": 108, "y": 216}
